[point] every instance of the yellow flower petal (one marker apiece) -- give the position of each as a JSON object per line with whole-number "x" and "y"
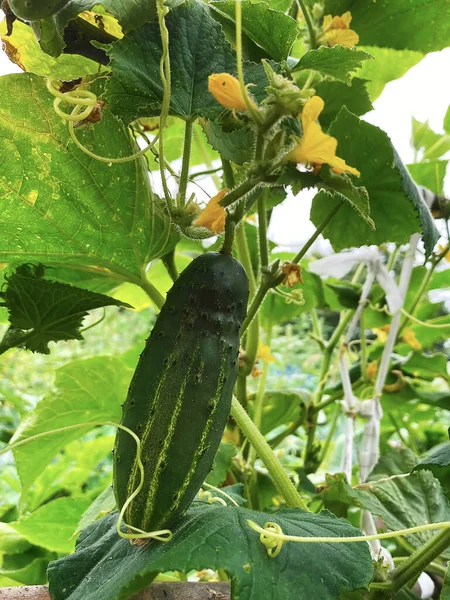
{"x": 312, "y": 110}
{"x": 264, "y": 352}
{"x": 317, "y": 147}
{"x": 226, "y": 90}
{"x": 336, "y": 30}
{"x": 343, "y": 37}
{"x": 213, "y": 216}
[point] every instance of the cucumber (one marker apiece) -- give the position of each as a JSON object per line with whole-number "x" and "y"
{"x": 34, "y": 10}
{"x": 180, "y": 395}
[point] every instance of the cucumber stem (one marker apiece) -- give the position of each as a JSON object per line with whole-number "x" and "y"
{"x": 264, "y": 451}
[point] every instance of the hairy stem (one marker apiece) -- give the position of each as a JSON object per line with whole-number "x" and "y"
{"x": 184, "y": 176}
{"x": 271, "y": 462}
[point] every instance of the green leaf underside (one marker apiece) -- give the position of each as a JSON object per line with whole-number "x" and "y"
{"x": 236, "y": 146}
{"x": 396, "y": 206}
{"x": 429, "y": 174}
{"x": 42, "y": 311}
{"x": 106, "y": 567}
{"x": 336, "y": 94}
{"x": 198, "y": 48}
{"x": 60, "y": 206}
{"x": 389, "y": 64}
{"x": 337, "y": 62}
{"x": 391, "y": 499}
{"x": 341, "y": 187}
{"x": 404, "y": 25}
{"x": 438, "y": 462}
{"x": 89, "y": 390}
{"x": 269, "y": 29}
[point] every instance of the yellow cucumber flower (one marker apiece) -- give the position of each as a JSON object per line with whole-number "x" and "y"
{"x": 336, "y": 30}
{"x": 316, "y": 147}
{"x": 226, "y": 90}
{"x": 213, "y": 215}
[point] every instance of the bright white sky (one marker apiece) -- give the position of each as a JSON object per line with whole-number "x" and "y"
{"x": 423, "y": 92}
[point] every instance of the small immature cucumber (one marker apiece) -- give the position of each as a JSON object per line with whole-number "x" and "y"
{"x": 180, "y": 395}
{"x": 34, "y": 10}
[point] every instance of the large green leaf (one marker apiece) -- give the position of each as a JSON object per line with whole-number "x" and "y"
{"x": 420, "y": 25}
{"x": 430, "y": 174}
{"x": 337, "y": 62}
{"x": 52, "y": 525}
{"x": 396, "y": 206}
{"x": 438, "y": 462}
{"x": 60, "y": 206}
{"x": 389, "y": 64}
{"x": 89, "y": 390}
{"x": 271, "y": 30}
{"x": 198, "y": 48}
{"x": 106, "y": 567}
{"x": 390, "y": 497}
{"x": 42, "y": 311}
{"x": 336, "y": 94}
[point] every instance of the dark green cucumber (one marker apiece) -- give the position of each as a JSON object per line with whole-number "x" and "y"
{"x": 180, "y": 395}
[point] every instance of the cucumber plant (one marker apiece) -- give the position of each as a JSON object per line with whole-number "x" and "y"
{"x": 281, "y": 399}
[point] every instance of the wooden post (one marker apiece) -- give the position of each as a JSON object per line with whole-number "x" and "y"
{"x": 183, "y": 590}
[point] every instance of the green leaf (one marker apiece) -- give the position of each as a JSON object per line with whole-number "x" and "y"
{"x": 396, "y": 206}
{"x": 438, "y": 462}
{"x": 445, "y": 593}
{"x": 222, "y": 464}
{"x": 269, "y": 29}
{"x": 131, "y": 14}
{"x": 235, "y": 145}
{"x": 447, "y": 121}
{"x": 429, "y": 174}
{"x": 52, "y": 525}
{"x": 424, "y": 138}
{"x": 27, "y": 569}
{"x": 422, "y": 26}
{"x": 87, "y": 391}
{"x": 391, "y": 499}
{"x": 69, "y": 471}
{"x": 337, "y": 62}
{"x": 42, "y": 311}
{"x": 103, "y": 504}
{"x": 12, "y": 542}
{"x": 217, "y": 537}
{"x": 341, "y": 187}
{"x": 336, "y": 94}
{"x": 198, "y": 48}
{"x": 388, "y": 65}
{"x": 60, "y": 206}
{"x": 282, "y": 408}
{"x": 425, "y": 366}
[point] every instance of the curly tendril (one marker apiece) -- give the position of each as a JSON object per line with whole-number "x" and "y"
{"x": 84, "y": 103}
{"x": 165, "y": 535}
{"x": 272, "y": 536}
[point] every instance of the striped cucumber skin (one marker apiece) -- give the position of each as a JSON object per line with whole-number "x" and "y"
{"x": 180, "y": 395}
